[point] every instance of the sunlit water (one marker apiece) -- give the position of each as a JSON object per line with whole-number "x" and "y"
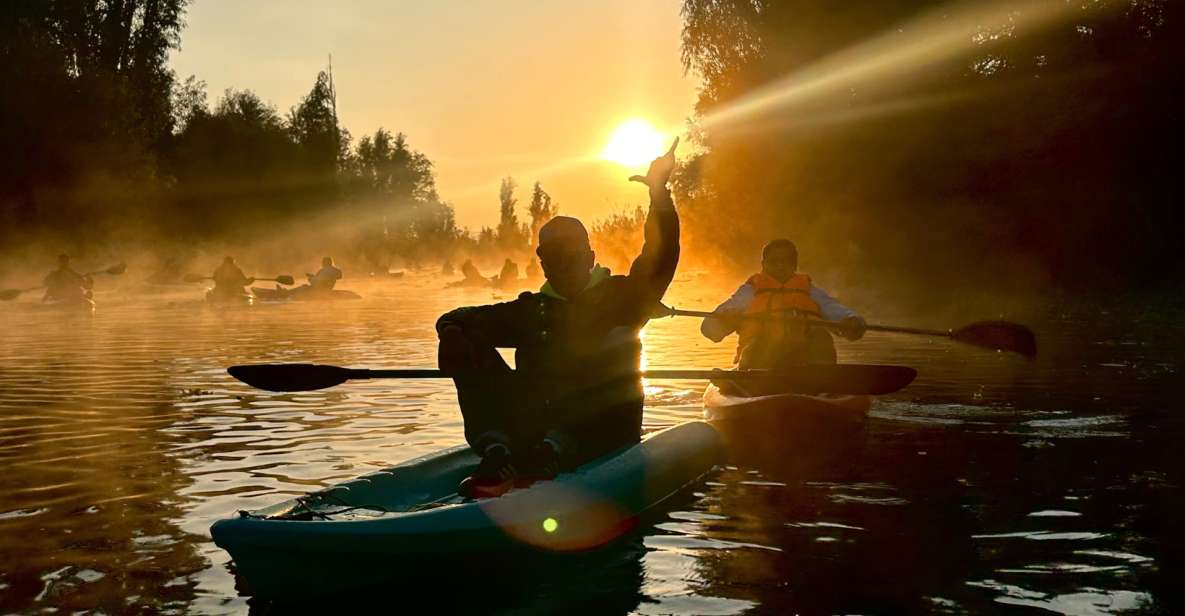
{"x": 991, "y": 485}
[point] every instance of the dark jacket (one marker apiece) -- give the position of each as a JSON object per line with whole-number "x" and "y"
{"x": 578, "y": 357}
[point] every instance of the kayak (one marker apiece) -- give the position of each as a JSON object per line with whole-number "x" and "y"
{"x": 236, "y": 299}
{"x": 387, "y": 525}
{"x": 81, "y": 304}
{"x": 302, "y": 294}
{"x": 798, "y": 412}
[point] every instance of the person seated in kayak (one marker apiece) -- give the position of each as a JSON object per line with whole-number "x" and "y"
{"x": 508, "y": 277}
{"x": 325, "y": 278}
{"x": 66, "y": 285}
{"x": 575, "y": 393}
{"x": 769, "y": 311}
{"x": 229, "y": 280}
{"x": 473, "y": 277}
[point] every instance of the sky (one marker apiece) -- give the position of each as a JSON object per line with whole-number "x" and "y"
{"x": 529, "y": 89}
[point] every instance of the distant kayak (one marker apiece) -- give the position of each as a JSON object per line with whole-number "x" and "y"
{"x": 366, "y": 530}
{"x": 303, "y": 294}
{"x": 229, "y": 299}
{"x": 81, "y": 304}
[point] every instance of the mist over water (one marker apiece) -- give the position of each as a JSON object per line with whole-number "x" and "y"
{"x": 990, "y": 485}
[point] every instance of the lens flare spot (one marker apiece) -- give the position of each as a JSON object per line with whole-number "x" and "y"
{"x": 550, "y": 525}
{"x": 634, "y": 144}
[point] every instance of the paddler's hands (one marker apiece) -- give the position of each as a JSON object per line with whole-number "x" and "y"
{"x": 660, "y": 170}
{"x": 852, "y": 328}
{"x": 455, "y": 354}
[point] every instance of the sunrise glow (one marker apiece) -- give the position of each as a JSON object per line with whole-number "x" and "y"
{"x": 633, "y": 144}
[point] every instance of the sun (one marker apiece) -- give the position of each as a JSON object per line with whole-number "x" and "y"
{"x": 633, "y": 144}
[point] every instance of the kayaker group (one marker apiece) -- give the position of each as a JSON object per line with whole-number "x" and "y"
{"x": 575, "y": 393}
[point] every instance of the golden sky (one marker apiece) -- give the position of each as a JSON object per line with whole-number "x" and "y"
{"x": 486, "y": 89}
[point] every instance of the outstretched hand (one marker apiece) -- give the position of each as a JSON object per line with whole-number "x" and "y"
{"x": 660, "y": 169}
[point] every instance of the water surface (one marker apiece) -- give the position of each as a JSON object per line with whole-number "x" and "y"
{"x": 991, "y": 485}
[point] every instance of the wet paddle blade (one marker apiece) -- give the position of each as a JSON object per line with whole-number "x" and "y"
{"x": 116, "y": 270}
{"x": 290, "y": 377}
{"x": 285, "y": 280}
{"x": 999, "y": 335}
{"x": 9, "y": 294}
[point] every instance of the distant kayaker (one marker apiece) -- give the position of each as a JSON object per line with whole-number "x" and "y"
{"x": 508, "y": 277}
{"x": 757, "y": 311}
{"x": 66, "y": 285}
{"x": 229, "y": 280}
{"x": 472, "y": 277}
{"x": 576, "y": 393}
{"x": 326, "y": 277}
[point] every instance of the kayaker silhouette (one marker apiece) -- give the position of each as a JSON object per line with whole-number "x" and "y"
{"x": 758, "y": 311}
{"x": 229, "y": 282}
{"x": 575, "y": 393}
{"x": 66, "y": 285}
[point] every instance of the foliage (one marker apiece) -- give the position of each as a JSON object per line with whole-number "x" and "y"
{"x": 917, "y": 143}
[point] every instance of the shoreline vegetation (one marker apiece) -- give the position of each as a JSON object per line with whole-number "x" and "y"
{"x": 1035, "y": 158}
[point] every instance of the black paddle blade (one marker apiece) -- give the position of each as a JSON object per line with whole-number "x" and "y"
{"x": 999, "y": 335}
{"x": 290, "y": 377}
{"x": 116, "y": 270}
{"x": 851, "y": 379}
{"x": 9, "y": 294}
{"x": 285, "y": 280}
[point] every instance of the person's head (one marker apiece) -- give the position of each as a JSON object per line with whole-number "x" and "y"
{"x": 327, "y": 262}
{"x": 565, "y": 255}
{"x": 228, "y": 261}
{"x": 63, "y": 260}
{"x": 779, "y": 259}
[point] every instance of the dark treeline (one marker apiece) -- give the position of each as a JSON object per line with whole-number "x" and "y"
{"x": 106, "y": 150}
{"x": 1028, "y": 149}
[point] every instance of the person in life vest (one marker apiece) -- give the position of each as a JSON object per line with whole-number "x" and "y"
{"x": 66, "y": 285}
{"x": 575, "y": 392}
{"x": 769, "y": 313}
{"x": 229, "y": 280}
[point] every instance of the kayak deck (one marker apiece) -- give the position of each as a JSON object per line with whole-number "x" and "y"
{"x": 362, "y": 529}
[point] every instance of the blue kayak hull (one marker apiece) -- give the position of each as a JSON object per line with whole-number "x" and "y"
{"x": 395, "y": 521}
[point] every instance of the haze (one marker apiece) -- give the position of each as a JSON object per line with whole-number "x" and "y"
{"x": 485, "y": 89}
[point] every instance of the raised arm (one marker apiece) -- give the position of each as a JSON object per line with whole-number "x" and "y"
{"x": 655, "y": 266}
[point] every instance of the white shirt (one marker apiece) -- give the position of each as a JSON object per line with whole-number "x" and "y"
{"x": 716, "y": 329}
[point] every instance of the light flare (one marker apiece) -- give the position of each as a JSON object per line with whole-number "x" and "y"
{"x": 634, "y": 143}
{"x": 940, "y": 35}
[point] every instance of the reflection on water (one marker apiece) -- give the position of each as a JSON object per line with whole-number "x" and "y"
{"x": 991, "y": 485}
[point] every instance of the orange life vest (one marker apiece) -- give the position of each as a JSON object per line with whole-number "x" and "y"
{"x": 777, "y": 300}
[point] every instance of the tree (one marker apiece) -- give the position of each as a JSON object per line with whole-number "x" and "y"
{"x": 511, "y": 238}
{"x": 1027, "y": 121}
{"x": 541, "y": 210}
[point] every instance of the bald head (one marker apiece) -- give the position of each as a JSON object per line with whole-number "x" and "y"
{"x": 565, "y": 255}
{"x": 563, "y": 233}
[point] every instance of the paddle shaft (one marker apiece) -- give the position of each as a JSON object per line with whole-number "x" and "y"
{"x": 873, "y": 328}
{"x": 426, "y": 373}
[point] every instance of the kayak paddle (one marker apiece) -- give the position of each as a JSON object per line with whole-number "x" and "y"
{"x": 835, "y": 379}
{"x": 285, "y": 280}
{"x": 995, "y": 335}
{"x": 11, "y": 294}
